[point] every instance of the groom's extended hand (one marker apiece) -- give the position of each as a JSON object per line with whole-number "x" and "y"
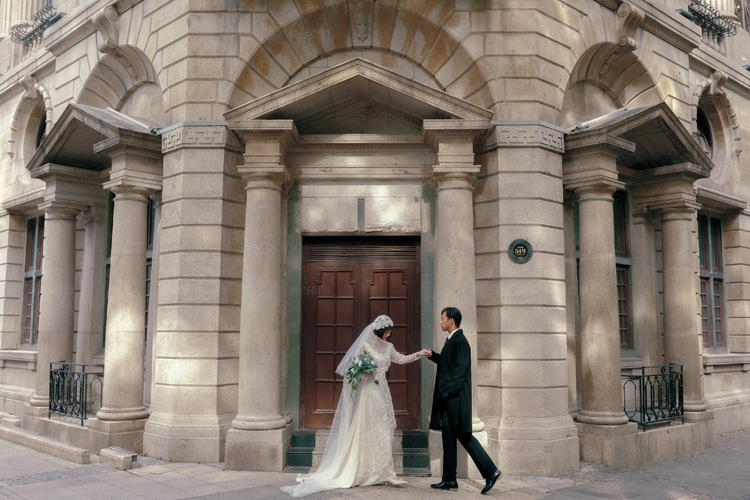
{"x": 426, "y": 352}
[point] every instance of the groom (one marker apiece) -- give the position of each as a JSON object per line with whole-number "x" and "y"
{"x": 451, "y": 405}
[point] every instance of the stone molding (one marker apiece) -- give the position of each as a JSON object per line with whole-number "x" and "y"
{"x": 126, "y": 141}
{"x": 525, "y": 135}
{"x": 718, "y": 200}
{"x": 358, "y": 68}
{"x": 54, "y": 172}
{"x": 32, "y": 91}
{"x": 201, "y": 135}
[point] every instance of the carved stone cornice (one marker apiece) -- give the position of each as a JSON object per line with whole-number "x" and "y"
{"x": 201, "y": 135}
{"x": 107, "y": 22}
{"x": 525, "y": 135}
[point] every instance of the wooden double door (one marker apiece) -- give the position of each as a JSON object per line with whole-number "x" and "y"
{"x": 347, "y": 283}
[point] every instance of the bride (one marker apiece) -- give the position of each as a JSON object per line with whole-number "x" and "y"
{"x": 359, "y": 448}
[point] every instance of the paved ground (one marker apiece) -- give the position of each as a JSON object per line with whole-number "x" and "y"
{"x": 721, "y": 473}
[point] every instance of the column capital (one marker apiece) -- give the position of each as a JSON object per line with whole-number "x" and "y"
{"x": 58, "y": 210}
{"x": 265, "y": 176}
{"x": 595, "y": 187}
{"x": 454, "y": 177}
{"x": 130, "y": 192}
{"x": 677, "y": 211}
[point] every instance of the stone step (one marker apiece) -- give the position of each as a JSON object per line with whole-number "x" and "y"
{"x": 411, "y": 455}
{"x": 45, "y": 444}
{"x": 8, "y": 420}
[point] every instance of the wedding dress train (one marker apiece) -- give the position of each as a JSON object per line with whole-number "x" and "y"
{"x": 359, "y": 449}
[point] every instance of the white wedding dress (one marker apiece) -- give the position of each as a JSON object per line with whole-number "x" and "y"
{"x": 359, "y": 450}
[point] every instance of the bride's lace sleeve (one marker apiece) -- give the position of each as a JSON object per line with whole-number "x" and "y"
{"x": 401, "y": 359}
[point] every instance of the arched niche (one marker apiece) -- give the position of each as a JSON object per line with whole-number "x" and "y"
{"x": 32, "y": 119}
{"x": 716, "y": 128}
{"x": 125, "y": 80}
{"x": 605, "y": 78}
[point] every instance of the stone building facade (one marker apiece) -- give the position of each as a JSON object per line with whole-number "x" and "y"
{"x": 218, "y": 195}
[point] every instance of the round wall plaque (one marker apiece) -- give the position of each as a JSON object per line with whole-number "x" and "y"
{"x": 520, "y": 251}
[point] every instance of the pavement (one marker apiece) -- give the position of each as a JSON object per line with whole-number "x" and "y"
{"x": 722, "y": 473}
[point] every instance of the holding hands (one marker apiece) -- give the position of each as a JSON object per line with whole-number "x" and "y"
{"x": 424, "y": 352}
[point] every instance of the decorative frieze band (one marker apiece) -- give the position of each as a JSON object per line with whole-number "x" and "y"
{"x": 198, "y": 136}
{"x": 514, "y": 135}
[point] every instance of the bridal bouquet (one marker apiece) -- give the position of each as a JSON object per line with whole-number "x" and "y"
{"x": 360, "y": 365}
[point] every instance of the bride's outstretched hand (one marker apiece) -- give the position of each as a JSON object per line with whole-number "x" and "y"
{"x": 424, "y": 352}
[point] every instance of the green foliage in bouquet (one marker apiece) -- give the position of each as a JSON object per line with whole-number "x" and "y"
{"x": 360, "y": 365}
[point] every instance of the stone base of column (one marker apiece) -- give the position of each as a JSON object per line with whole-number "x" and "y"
{"x": 466, "y": 468}
{"x": 178, "y": 438}
{"x": 31, "y": 416}
{"x": 622, "y": 447}
{"x": 699, "y": 415}
{"x": 537, "y": 446}
{"x": 602, "y": 417}
{"x": 126, "y": 434}
{"x": 122, "y": 414}
{"x": 257, "y": 450}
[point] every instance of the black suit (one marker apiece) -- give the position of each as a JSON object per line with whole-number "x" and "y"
{"x": 451, "y": 407}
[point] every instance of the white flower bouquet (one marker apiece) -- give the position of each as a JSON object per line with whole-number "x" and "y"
{"x": 362, "y": 364}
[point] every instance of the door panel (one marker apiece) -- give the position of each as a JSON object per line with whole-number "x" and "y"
{"x": 348, "y": 284}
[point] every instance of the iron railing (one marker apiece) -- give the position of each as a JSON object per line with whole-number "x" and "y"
{"x": 75, "y": 390}
{"x": 654, "y": 396}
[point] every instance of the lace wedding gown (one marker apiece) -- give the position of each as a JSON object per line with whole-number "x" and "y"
{"x": 360, "y": 453}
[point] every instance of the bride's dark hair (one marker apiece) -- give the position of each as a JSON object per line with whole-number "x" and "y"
{"x": 381, "y": 331}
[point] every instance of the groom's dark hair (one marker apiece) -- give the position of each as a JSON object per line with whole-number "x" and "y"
{"x": 452, "y": 313}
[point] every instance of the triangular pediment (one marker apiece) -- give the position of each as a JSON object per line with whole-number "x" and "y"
{"x": 357, "y": 84}
{"x": 79, "y": 129}
{"x": 659, "y": 137}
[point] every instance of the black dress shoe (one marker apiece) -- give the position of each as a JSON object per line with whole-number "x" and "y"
{"x": 445, "y": 485}
{"x": 491, "y": 481}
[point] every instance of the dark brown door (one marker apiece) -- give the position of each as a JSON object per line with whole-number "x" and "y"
{"x": 346, "y": 284}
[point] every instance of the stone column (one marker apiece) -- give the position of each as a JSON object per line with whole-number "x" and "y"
{"x": 600, "y": 343}
{"x": 259, "y": 436}
{"x": 56, "y": 308}
{"x": 455, "y": 283}
{"x": 645, "y": 300}
{"x": 91, "y": 302}
{"x": 455, "y": 272}
{"x": 136, "y": 172}
{"x": 151, "y": 329}
{"x": 126, "y": 316}
{"x": 682, "y": 341}
{"x": 68, "y": 191}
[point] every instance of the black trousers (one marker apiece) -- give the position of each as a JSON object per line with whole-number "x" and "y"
{"x": 450, "y": 451}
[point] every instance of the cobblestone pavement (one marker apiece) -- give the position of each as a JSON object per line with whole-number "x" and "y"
{"x": 722, "y": 473}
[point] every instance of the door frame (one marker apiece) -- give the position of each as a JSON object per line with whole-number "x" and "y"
{"x": 414, "y": 315}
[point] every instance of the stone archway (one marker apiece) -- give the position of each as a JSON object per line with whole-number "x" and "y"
{"x": 429, "y": 36}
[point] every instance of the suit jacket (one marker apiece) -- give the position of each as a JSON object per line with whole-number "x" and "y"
{"x": 453, "y": 384}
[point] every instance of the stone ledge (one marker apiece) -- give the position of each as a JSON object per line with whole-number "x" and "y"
{"x": 46, "y": 445}
{"x": 119, "y": 458}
